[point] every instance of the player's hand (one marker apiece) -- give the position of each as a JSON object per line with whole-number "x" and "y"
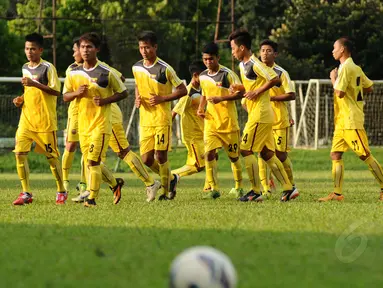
{"x": 98, "y": 101}
{"x": 155, "y": 99}
{"x": 18, "y": 101}
{"x": 82, "y": 91}
{"x": 137, "y": 102}
{"x": 252, "y": 95}
{"x": 236, "y": 88}
{"x": 292, "y": 122}
{"x": 27, "y": 81}
{"x": 201, "y": 113}
{"x": 215, "y": 100}
{"x": 334, "y": 74}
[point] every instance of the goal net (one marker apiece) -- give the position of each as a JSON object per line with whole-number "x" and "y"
{"x": 313, "y": 113}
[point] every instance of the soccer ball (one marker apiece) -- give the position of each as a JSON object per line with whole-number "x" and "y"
{"x": 202, "y": 267}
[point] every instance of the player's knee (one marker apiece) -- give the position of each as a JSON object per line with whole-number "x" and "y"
{"x": 245, "y": 153}
{"x": 93, "y": 163}
{"x": 211, "y": 155}
{"x": 267, "y": 154}
{"x": 162, "y": 156}
{"x": 199, "y": 169}
{"x": 336, "y": 155}
{"x": 71, "y": 146}
{"x": 234, "y": 159}
{"x": 21, "y": 156}
{"x": 123, "y": 153}
{"x": 364, "y": 157}
{"x": 282, "y": 156}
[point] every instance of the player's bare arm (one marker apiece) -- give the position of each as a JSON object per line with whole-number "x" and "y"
{"x": 368, "y": 90}
{"x": 114, "y": 98}
{"x": 201, "y": 107}
{"x": 79, "y": 93}
{"x": 174, "y": 114}
{"x": 179, "y": 92}
{"x": 252, "y": 95}
{"x": 284, "y": 97}
{"x": 234, "y": 96}
{"x": 29, "y": 82}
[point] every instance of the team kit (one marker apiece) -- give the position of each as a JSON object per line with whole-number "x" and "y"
{"x": 209, "y": 120}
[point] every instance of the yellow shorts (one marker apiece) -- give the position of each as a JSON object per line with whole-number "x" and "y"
{"x": 155, "y": 138}
{"x": 281, "y": 139}
{"x": 256, "y": 136}
{"x": 94, "y": 146}
{"x": 118, "y": 141}
{"x": 196, "y": 153}
{"x": 229, "y": 141}
{"x": 356, "y": 139}
{"x": 46, "y": 142}
{"x": 72, "y": 130}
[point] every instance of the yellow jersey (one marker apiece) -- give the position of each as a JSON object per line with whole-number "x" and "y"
{"x": 38, "y": 112}
{"x": 281, "y": 113}
{"x": 348, "y": 111}
{"x": 158, "y": 79}
{"x": 187, "y": 106}
{"x": 103, "y": 82}
{"x": 254, "y": 74}
{"x": 221, "y": 117}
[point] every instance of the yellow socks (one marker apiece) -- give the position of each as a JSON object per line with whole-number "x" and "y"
{"x": 138, "y": 168}
{"x": 185, "y": 170}
{"x": 23, "y": 171}
{"x": 83, "y": 170}
{"x": 264, "y": 174}
{"x": 236, "y": 167}
{"x": 94, "y": 181}
{"x": 289, "y": 170}
{"x": 253, "y": 172}
{"x": 211, "y": 174}
{"x": 338, "y": 175}
{"x": 57, "y": 173}
{"x": 67, "y": 161}
{"x": 155, "y": 167}
{"x": 165, "y": 176}
{"x": 376, "y": 169}
{"x": 279, "y": 172}
{"x": 107, "y": 175}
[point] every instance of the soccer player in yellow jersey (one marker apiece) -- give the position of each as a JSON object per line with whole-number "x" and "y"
{"x": 279, "y": 95}
{"x": 221, "y": 118}
{"x": 191, "y": 124}
{"x": 95, "y": 86}
{"x": 154, "y": 82}
{"x": 38, "y": 120}
{"x": 257, "y": 79}
{"x": 350, "y": 85}
{"x": 72, "y": 137}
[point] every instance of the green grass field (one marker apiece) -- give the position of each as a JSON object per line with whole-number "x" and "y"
{"x": 298, "y": 244}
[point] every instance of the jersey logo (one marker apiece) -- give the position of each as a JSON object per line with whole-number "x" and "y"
{"x": 219, "y": 84}
{"x": 35, "y": 77}
{"x": 153, "y": 76}
{"x": 93, "y": 80}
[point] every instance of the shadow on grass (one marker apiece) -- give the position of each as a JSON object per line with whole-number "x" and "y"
{"x": 93, "y": 256}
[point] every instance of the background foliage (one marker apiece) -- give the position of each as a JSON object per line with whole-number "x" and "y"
{"x": 305, "y": 30}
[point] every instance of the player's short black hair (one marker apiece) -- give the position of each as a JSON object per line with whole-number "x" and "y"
{"x": 271, "y": 43}
{"x": 36, "y": 38}
{"x": 76, "y": 41}
{"x": 196, "y": 67}
{"x": 347, "y": 43}
{"x": 147, "y": 36}
{"x": 211, "y": 49}
{"x": 241, "y": 37}
{"x": 91, "y": 37}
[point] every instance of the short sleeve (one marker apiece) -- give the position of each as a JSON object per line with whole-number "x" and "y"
{"x": 53, "y": 79}
{"x": 287, "y": 84}
{"x": 366, "y": 82}
{"x": 172, "y": 77}
{"x": 68, "y": 84}
{"x": 342, "y": 81}
{"x": 182, "y": 104}
{"x": 233, "y": 78}
{"x": 264, "y": 71}
{"x": 115, "y": 82}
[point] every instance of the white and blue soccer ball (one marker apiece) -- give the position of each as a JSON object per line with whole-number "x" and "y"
{"x": 202, "y": 267}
